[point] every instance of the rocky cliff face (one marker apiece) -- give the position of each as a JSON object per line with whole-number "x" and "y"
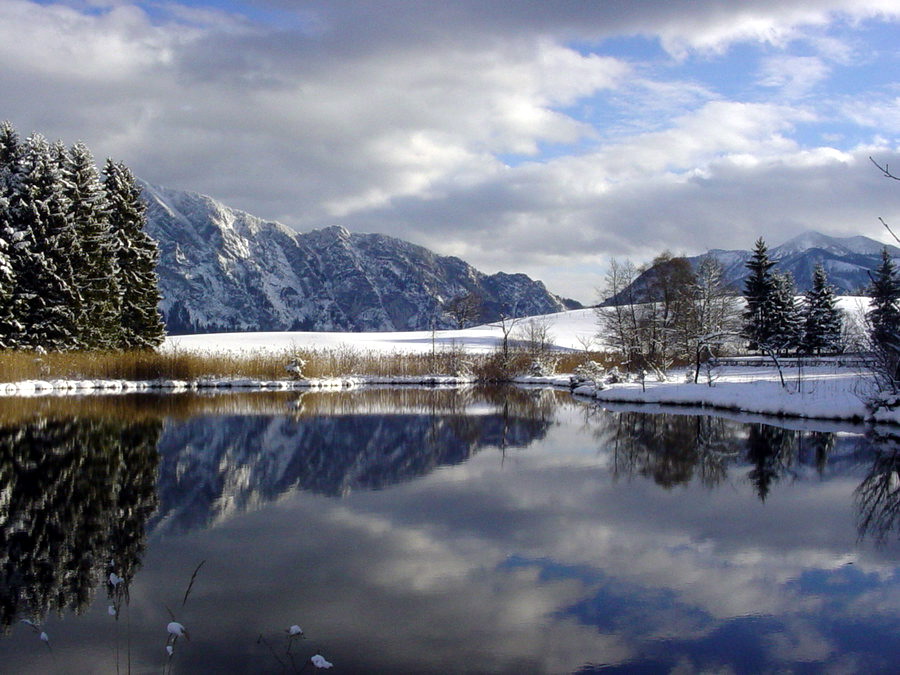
{"x": 224, "y": 270}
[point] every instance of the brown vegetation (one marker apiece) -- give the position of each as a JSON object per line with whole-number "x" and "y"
{"x": 146, "y": 365}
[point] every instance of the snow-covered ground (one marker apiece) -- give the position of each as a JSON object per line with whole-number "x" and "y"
{"x": 567, "y": 330}
{"x": 574, "y": 330}
{"x": 824, "y": 392}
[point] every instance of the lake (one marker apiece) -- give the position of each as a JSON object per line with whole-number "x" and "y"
{"x": 441, "y": 530}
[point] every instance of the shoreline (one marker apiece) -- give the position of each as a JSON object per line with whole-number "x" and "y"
{"x": 821, "y": 393}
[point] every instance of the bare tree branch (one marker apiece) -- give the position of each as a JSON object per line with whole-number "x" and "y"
{"x": 888, "y": 228}
{"x": 884, "y": 169}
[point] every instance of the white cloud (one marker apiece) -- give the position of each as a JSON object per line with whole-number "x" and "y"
{"x": 795, "y": 76}
{"x": 403, "y": 121}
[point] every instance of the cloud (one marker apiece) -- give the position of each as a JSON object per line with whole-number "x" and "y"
{"x": 517, "y": 134}
{"x": 796, "y": 76}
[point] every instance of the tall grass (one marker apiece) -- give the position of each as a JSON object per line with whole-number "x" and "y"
{"x": 340, "y": 362}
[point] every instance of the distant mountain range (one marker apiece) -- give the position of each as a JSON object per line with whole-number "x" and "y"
{"x": 223, "y": 270}
{"x": 847, "y": 261}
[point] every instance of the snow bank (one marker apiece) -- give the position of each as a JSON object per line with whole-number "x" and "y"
{"x": 826, "y": 392}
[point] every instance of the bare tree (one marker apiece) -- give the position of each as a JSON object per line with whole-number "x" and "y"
{"x": 712, "y": 315}
{"x": 619, "y": 323}
{"x": 641, "y": 323}
{"x": 506, "y": 324}
{"x": 536, "y": 333}
{"x": 465, "y": 309}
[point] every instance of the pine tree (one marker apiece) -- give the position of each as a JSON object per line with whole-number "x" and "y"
{"x": 783, "y": 317}
{"x": 822, "y": 323}
{"x": 7, "y": 280}
{"x": 45, "y": 299}
{"x": 137, "y": 255}
{"x": 10, "y": 148}
{"x": 884, "y": 317}
{"x": 96, "y": 268}
{"x": 10, "y": 154}
{"x": 758, "y": 289}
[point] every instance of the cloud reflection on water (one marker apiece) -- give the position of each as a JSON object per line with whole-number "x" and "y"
{"x": 580, "y": 546}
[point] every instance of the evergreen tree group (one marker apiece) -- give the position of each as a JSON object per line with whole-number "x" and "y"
{"x": 773, "y": 320}
{"x": 884, "y": 319}
{"x": 822, "y": 325}
{"x": 77, "y": 270}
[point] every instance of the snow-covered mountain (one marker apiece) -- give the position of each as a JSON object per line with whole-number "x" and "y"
{"x": 225, "y": 270}
{"x": 847, "y": 261}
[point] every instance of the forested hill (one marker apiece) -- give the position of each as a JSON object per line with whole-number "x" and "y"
{"x": 222, "y": 269}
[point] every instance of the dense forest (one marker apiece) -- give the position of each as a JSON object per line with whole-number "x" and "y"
{"x": 77, "y": 269}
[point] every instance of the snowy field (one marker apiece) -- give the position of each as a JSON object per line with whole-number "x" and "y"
{"x": 567, "y": 330}
{"x": 572, "y": 330}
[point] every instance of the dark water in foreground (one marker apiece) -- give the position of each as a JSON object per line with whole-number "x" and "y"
{"x": 442, "y": 531}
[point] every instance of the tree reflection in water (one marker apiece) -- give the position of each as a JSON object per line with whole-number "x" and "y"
{"x": 878, "y": 496}
{"x": 674, "y": 449}
{"x": 670, "y": 449}
{"x": 77, "y": 492}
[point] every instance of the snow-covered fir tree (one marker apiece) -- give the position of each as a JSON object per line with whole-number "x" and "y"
{"x": 95, "y": 267}
{"x": 784, "y": 321}
{"x": 6, "y": 284}
{"x": 45, "y": 299}
{"x": 758, "y": 289}
{"x": 884, "y": 318}
{"x": 10, "y": 151}
{"x": 141, "y": 324}
{"x": 822, "y": 321}
{"x": 64, "y": 233}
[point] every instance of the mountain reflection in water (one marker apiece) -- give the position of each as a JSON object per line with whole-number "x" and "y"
{"x": 443, "y": 530}
{"x": 211, "y": 465}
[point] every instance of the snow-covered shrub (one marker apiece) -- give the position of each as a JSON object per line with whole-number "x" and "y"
{"x": 458, "y": 363}
{"x": 543, "y": 364}
{"x": 589, "y": 371}
{"x": 295, "y": 367}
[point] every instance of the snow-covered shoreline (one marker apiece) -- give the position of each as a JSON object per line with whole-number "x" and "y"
{"x": 818, "y": 392}
{"x": 824, "y": 392}
{"x": 27, "y": 388}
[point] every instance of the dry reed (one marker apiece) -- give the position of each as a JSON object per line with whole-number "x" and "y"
{"x": 16, "y": 366}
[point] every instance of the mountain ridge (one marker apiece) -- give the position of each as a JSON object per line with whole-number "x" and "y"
{"x": 222, "y": 269}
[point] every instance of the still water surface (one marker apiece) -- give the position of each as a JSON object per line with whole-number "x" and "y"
{"x": 441, "y": 531}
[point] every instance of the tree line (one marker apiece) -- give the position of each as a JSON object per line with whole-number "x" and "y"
{"x": 773, "y": 321}
{"x": 77, "y": 269}
{"x": 678, "y": 313}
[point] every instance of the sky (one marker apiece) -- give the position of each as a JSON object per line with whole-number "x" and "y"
{"x": 536, "y": 136}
